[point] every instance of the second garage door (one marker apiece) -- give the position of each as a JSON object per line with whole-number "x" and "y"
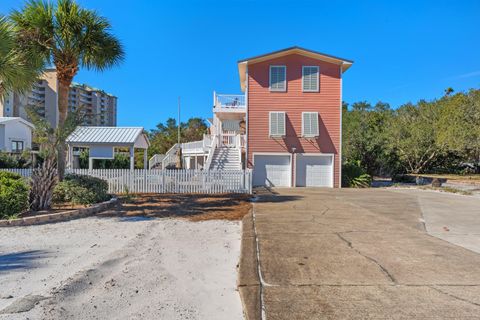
{"x": 314, "y": 170}
{"x": 271, "y": 170}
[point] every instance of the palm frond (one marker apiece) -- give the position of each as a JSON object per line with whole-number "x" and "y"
{"x": 18, "y": 69}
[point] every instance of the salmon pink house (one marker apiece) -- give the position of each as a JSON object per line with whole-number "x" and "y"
{"x": 286, "y": 126}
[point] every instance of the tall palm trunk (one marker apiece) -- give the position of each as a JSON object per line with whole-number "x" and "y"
{"x": 62, "y": 116}
{"x": 65, "y": 76}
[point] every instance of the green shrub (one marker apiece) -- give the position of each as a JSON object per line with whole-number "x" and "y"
{"x": 81, "y": 189}
{"x": 13, "y": 195}
{"x": 69, "y": 191}
{"x": 354, "y": 176}
{"x": 10, "y": 175}
{"x": 9, "y": 161}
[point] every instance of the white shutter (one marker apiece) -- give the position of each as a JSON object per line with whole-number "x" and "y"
{"x": 281, "y": 123}
{"x": 278, "y": 78}
{"x": 310, "y": 124}
{"x": 277, "y": 124}
{"x": 310, "y": 78}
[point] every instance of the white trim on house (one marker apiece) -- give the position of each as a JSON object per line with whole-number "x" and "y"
{"x": 315, "y": 134}
{"x": 270, "y": 124}
{"x": 275, "y": 154}
{"x": 245, "y": 164}
{"x": 318, "y": 79}
{"x": 284, "y": 89}
{"x": 341, "y": 131}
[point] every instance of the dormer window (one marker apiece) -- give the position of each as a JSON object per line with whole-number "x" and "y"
{"x": 278, "y": 78}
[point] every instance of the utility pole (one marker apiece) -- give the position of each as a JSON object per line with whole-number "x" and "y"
{"x": 179, "y": 163}
{"x": 178, "y": 125}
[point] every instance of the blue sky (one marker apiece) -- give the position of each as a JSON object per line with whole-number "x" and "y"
{"x": 403, "y": 50}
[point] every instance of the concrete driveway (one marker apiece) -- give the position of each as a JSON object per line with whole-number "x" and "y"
{"x": 354, "y": 254}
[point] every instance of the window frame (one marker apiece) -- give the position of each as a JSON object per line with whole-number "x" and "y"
{"x": 318, "y": 78}
{"x": 270, "y": 124}
{"x": 303, "y": 125}
{"x": 270, "y": 78}
{"x": 17, "y": 143}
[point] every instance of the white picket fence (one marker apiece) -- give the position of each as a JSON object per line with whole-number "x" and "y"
{"x": 168, "y": 181}
{"x": 23, "y": 172}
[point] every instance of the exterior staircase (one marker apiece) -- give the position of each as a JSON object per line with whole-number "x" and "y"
{"x": 225, "y": 158}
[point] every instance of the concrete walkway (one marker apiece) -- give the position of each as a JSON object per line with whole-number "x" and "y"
{"x": 451, "y": 217}
{"x": 352, "y": 254}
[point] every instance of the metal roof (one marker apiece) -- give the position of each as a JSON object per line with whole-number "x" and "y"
{"x": 105, "y": 135}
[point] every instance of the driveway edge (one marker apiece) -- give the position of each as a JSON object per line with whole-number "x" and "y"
{"x": 248, "y": 280}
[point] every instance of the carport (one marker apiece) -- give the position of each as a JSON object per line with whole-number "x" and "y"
{"x": 102, "y": 141}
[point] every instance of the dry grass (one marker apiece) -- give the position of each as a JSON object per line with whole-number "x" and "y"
{"x": 469, "y": 178}
{"x": 189, "y": 206}
{"x": 448, "y": 189}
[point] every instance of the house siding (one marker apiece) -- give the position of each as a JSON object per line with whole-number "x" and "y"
{"x": 327, "y": 102}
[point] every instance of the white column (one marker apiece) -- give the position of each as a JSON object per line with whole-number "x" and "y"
{"x": 90, "y": 163}
{"x": 70, "y": 157}
{"x": 132, "y": 158}
{"x": 145, "y": 159}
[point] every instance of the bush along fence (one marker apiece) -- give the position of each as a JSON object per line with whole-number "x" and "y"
{"x": 167, "y": 181}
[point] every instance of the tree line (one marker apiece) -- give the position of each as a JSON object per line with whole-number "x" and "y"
{"x": 437, "y": 136}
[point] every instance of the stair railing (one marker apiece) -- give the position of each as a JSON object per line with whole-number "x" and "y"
{"x": 238, "y": 145}
{"x": 154, "y": 160}
{"x": 170, "y": 156}
{"x": 211, "y": 152}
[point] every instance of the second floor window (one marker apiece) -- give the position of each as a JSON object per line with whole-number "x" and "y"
{"x": 278, "y": 78}
{"x": 310, "y": 124}
{"x": 310, "y": 77}
{"x": 277, "y": 124}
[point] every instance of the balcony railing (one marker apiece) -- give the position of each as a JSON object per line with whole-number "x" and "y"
{"x": 229, "y": 101}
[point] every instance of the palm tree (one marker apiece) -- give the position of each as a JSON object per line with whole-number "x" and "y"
{"x": 18, "y": 70}
{"x": 70, "y": 37}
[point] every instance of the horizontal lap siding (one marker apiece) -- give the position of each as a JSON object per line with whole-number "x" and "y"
{"x": 326, "y": 102}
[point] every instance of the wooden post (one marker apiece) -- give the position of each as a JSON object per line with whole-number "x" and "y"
{"x": 70, "y": 157}
{"x": 145, "y": 159}
{"x": 132, "y": 158}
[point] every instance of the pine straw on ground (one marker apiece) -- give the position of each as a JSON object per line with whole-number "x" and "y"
{"x": 194, "y": 207}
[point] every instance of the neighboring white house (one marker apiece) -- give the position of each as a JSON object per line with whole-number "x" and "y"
{"x": 15, "y": 134}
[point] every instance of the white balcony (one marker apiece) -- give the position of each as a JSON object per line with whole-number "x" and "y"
{"x": 228, "y": 103}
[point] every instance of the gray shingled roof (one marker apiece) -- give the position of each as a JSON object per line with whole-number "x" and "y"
{"x": 105, "y": 135}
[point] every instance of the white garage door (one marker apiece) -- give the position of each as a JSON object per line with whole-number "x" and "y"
{"x": 271, "y": 170}
{"x": 314, "y": 170}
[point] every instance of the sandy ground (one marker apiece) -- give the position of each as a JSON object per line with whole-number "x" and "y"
{"x": 120, "y": 268}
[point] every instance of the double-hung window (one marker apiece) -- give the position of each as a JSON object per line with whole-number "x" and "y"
{"x": 310, "y": 124}
{"x": 277, "y": 124}
{"x": 278, "y": 78}
{"x": 310, "y": 78}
